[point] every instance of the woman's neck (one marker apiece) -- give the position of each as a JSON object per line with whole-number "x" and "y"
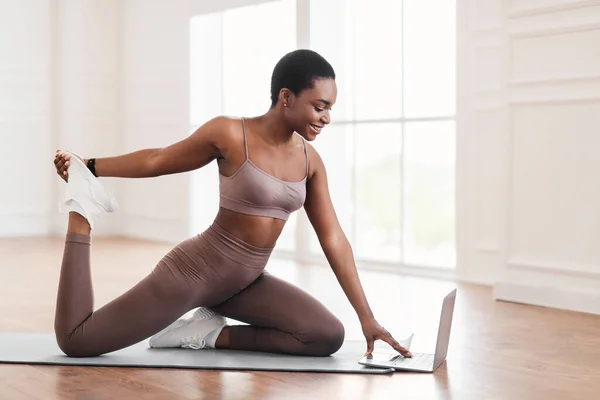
{"x": 273, "y": 129}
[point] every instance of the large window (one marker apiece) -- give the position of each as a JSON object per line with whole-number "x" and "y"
{"x": 390, "y": 148}
{"x": 395, "y": 62}
{"x": 232, "y": 54}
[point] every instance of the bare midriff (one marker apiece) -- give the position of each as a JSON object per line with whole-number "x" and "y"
{"x": 255, "y": 230}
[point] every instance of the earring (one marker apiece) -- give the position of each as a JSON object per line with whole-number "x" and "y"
{"x": 285, "y": 104}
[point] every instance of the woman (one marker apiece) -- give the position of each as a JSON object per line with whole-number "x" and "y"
{"x": 267, "y": 171}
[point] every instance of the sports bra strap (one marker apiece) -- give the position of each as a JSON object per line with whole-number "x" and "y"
{"x": 246, "y": 145}
{"x": 245, "y": 140}
{"x": 305, "y": 154}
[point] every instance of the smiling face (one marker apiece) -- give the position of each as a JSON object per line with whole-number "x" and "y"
{"x": 309, "y": 111}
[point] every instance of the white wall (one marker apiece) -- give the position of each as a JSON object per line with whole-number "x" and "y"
{"x": 26, "y": 116}
{"x": 155, "y": 113}
{"x": 108, "y": 77}
{"x": 519, "y": 62}
{"x": 59, "y": 88}
{"x": 100, "y": 78}
{"x": 156, "y": 100}
{"x": 529, "y": 98}
{"x": 88, "y": 90}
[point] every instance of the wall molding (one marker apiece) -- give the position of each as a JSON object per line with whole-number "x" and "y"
{"x": 208, "y": 7}
{"x": 24, "y": 117}
{"x": 136, "y": 78}
{"x": 490, "y": 248}
{"x": 561, "y": 268}
{"x": 488, "y": 12}
{"x": 488, "y": 29}
{"x": 512, "y": 39}
{"x": 555, "y": 81}
{"x": 510, "y": 170}
{"x": 155, "y": 229}
{"x": 25, "y": 70}
{"x": 488, "y": 101}
{"x": 91, "y": 76}
{"x": 25, "y": 224}
{"x": 370, "y": 265}
{"x": 533, "y": 11}
{"x": 488, "y": 89}
{"x": 519, "y": 263}
{"x": 548, "y": 296}
{"x": 513, "y": 104}
{"x": 488, "y": 39}
{"x": 495, "y": 105}
{"x": 105, "y": 226}
{"x": 536, "y": 33}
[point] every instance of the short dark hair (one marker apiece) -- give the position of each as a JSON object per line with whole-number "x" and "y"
{"x": 297, "y": 71}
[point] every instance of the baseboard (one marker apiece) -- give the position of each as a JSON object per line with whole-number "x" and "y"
{"x": 548, "y": 296}
{"x": 475, "y": 276}
{"x": 107, "y": 225}
{"x": 130, "y": 226}
{"x": 19, "y": 225}
{"x": 155, "y": 229}
{"x": 438, "y": 273}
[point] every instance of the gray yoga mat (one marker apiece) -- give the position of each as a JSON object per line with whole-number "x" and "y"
{"x": 41, "y": 348}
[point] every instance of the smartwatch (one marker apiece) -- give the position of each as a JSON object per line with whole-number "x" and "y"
{"x": 91, "y": 164}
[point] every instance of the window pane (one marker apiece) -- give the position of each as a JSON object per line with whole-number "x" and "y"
{"x": 429, "y": 194}
{"x": 248, "y": 61}
{"x": 429, "y": 57}
{"x": 287, "y": 239}
{"x": 331, "y": 35}
{"x": 205, "y": 78}
{"x": 378, "y": 59}
{"x": 378, "y": 191}
{"x": 230, "y": 73}
{"x": 335, "y": 147}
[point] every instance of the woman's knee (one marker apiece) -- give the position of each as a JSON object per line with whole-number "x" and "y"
{"x": 73, "y": 347}
{"x": 326, "y": 339}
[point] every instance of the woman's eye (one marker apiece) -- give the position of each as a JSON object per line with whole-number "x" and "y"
{"x": 318, "y": 109}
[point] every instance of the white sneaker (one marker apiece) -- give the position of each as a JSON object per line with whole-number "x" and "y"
{"x": 85, "y": 194}
{"x": 190, "y": 333}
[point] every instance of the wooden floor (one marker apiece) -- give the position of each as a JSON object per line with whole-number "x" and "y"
{"x": 497, "y": 350}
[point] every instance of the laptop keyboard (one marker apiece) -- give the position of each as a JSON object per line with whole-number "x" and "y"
{"x": 417, "y": 360}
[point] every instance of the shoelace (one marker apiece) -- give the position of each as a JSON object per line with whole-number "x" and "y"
{"x": 193, "y": 342}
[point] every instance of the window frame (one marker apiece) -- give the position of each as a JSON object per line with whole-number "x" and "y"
{"x": 302, "y": 251}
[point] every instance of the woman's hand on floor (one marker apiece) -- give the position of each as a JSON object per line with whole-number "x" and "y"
{"x": 373, "y": 331}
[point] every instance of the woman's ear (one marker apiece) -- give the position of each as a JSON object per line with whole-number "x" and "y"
{"x": 286, "y": 97}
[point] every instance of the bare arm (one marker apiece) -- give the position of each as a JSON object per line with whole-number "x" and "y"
{"x": 338, "y": 251}
{"x": 193, "y": 152}
{"x": 334, "y": 242}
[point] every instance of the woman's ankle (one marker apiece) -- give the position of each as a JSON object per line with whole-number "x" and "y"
{"x": 78, "y": 224}
{"x": 223, "y": 339}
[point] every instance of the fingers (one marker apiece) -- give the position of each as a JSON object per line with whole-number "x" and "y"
{"x": 403, "y": 351}
{"x": 61, "y": 163}
{"x": 387, "y": 337}
{"x": 370, "y": 346}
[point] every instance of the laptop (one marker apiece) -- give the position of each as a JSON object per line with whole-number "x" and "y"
{"x": 419, "y": 362}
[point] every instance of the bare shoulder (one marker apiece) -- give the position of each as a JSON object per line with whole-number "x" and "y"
{"x": 224, "y": 127}
{"x": 315, "y": 162}
{"x": 225, "y": 132}
{"x": 213, "y": 140}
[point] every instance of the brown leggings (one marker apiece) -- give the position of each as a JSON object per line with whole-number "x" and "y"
{"x": 214, "y": 270}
